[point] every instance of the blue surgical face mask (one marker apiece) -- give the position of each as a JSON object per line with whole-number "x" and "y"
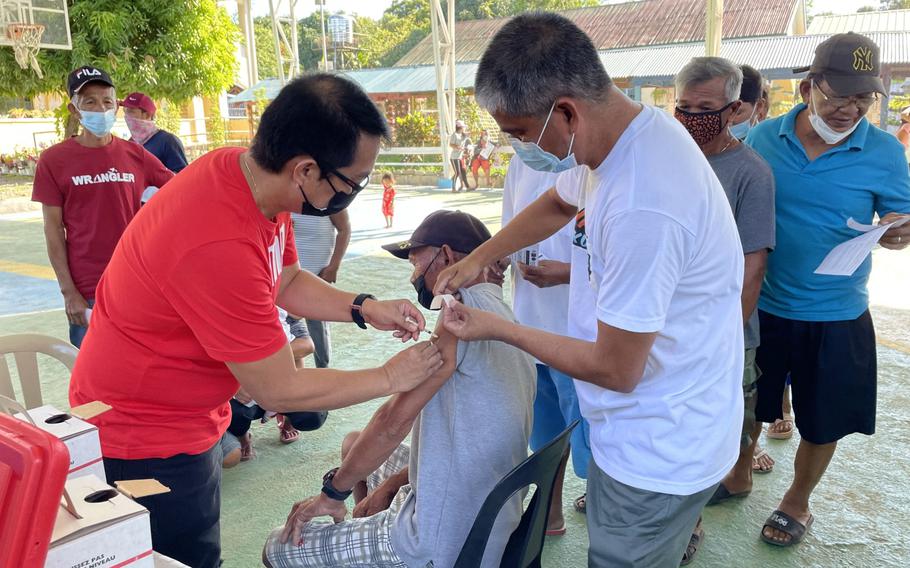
{"x": 539, "y": 159}
{"x": 98, "y": 123}
{"x": 741, "y": 130}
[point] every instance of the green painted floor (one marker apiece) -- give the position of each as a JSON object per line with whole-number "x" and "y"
{"x": 862, "y": 508}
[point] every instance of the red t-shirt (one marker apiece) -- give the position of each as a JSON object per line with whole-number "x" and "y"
{"x": 99, "y": 190}
{"x": 191, "y": 285}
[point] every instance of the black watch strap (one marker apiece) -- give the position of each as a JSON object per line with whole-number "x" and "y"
{"x": 357, "y": 309}
{"x": 330, "y": 490}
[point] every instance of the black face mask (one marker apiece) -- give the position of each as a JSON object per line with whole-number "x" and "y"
{"x": 338, "y": 203}
{"x": 424, "y": 294}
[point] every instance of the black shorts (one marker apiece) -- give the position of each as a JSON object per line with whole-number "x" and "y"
{"x": 832, "y": 368}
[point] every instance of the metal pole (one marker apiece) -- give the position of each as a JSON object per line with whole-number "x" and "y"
{"x": 277, "y": 40}
{"x": 325, "y": 52}
{"x": 295, "y": 49}
{"x": 443, "y": 30}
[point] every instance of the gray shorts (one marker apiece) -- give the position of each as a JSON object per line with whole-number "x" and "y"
{"x": 634, "y": 528}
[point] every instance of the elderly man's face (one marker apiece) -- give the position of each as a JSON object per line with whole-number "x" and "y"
{"x": 840, "y": 113}
{"x": 427, "y": 262}
{"x": 705, "y": 97}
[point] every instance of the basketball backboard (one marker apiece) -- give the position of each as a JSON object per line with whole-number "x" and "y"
{"x": 52, "y": 14}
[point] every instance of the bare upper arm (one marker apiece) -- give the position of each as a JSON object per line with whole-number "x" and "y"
{"x": 53, "y": 215}
{"x": 625, "y": 354}
{"x": 341, "y": 221}
{"x": 404, "y": 407}
{"x": 259, "y": 378}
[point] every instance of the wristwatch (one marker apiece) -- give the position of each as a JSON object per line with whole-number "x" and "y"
{"x": 330, "y": 490}
{"x": 357, "y": 309}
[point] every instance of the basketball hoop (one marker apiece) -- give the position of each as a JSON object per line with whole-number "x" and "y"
{"x": 26, "y": 40}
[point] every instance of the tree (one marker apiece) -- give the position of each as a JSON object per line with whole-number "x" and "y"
{"x": 895, "y": 4}
{"x": 406, "y": 22}
{"x": 170, "y": 49}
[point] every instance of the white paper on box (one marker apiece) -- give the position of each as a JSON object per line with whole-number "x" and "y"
{"x": 846, "y": 258}
{"x": 80, "y": 437}
{"x": 112, "y": 532}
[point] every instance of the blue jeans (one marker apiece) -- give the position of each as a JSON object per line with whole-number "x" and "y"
{"x": 77, "y": 332}
{"x": 555, "y": 407}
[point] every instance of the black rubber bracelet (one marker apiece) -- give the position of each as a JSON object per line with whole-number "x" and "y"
{"x": 357, "y": 309}
{"x": 330, "y": 490}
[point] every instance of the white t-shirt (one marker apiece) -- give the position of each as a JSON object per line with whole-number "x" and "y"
{"x": 541, "y": 308}
{"x": 663, "y": 255}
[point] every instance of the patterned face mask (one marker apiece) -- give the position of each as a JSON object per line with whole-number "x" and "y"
{"x": 703, "y": 126}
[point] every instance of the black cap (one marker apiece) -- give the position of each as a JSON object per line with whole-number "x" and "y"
{"x": 84, "y": 75}
{"x": 461, "y": 231}
{"x": 850, "y": 63}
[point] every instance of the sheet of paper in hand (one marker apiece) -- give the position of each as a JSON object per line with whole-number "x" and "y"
{"x": 846, "y": 258}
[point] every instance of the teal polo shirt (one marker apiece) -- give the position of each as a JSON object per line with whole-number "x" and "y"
{"x": 865, "y": 175}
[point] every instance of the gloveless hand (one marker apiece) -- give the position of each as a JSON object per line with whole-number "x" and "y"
{"x": 470, "y": 324}
{"x": 457, "y": 275}
{"x": 895, "y": 238}
{"x": 547, "y": 273}
{"x": 304, "y": 511}
{"x": 400, "y": 316}
{"x": 75, "y": 308}
{"x": 411, "y": 367}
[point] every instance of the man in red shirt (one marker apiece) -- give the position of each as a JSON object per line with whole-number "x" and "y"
{"x": 90, "y": 188}
{"x": 186, "y": 308}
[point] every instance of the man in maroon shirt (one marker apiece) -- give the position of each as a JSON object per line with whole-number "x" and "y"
{"x": 90, "y": 187}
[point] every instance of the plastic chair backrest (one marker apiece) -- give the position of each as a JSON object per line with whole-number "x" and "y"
{"x": 33, "y": 468}
{"x": 25, "y": 348}
{"x": 526, "y": 543}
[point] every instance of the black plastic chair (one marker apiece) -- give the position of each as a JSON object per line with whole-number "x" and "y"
{"x": 526, "y": 543}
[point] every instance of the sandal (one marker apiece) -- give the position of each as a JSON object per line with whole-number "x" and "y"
{"x": 782, "y": 429}
{"x": 722, "y": 494}
{"x": 757, "y": 458}
{"x": 698, "y": 535}
{"x": 287, "y": 434}
{"x": 581, "y": 504}
{"x": 788, "y": 525}
{"x": 557, "y": 532}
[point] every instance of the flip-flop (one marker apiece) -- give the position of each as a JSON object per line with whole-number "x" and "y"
{"x": 287, "y": 434}
{"x": 247, "y": 452}
{"x": 756, "y": 468}
{"x": 581, "y": 504}
{"x": 788, "y": 525}
{"x": 781, "y": 435}
{"x": 698, "y": 535}
{"x": 557, "y": 532}
{"x": 722, "y": 494}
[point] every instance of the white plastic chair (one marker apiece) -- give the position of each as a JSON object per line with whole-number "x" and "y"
{"x": 25, "y": 348}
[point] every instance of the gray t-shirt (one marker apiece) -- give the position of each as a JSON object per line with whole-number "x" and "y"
{"x": 456, "y": 138}
{"x": 749, "y": 184}
{"x": 468, "y": 437}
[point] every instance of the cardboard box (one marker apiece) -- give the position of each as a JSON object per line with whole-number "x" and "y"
{"x": 108, "y": 529}
{"x": 80, "y": 437}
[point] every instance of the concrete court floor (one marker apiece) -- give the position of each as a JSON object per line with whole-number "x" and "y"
{"x": 862, "y": 508}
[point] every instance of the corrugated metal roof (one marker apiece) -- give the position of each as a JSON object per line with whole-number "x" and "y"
{"x": 864, "y": 22}
{"x": 775, "y": 57}
{"x": 632, "y": 24}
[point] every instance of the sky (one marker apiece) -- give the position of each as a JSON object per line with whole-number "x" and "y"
{"x": 375, "y": 8}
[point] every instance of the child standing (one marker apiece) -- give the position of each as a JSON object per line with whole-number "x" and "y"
{"x": 388, "y": 198}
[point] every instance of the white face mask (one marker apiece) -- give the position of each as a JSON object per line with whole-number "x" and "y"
{"x": 825, "y": 132}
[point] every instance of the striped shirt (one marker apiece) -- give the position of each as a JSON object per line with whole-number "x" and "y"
{"x": 315, "y": 241}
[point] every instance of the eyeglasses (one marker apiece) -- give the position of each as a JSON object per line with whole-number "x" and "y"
{"x": 355, "y": 187}
{"x": 862, "y": 102}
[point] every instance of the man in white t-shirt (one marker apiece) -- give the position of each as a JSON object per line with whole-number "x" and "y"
{"x": 540, "y": 299}
{"x": 658, "y": 352}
